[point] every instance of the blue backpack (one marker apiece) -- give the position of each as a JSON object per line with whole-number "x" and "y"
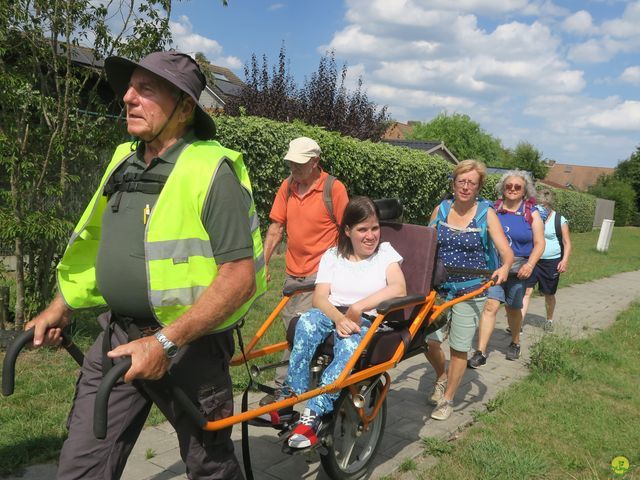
{"x": 487, "y": 244}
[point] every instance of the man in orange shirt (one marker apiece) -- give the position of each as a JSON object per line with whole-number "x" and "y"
{"x": 309, "y": 204}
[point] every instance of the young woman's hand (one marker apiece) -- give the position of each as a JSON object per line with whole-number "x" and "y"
{"x": 354, "y": 314}
{"x": 345, "y": 326}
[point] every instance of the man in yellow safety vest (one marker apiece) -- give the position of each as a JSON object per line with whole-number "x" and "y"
{"x": 170, "y": 242}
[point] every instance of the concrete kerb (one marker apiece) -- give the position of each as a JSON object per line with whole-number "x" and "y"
{"x": 579, "y": 313}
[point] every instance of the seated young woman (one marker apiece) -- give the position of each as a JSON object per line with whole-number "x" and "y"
{"x": 353, "y": 277}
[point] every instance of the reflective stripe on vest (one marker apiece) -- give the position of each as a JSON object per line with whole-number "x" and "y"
{"x": 179, "y": 259}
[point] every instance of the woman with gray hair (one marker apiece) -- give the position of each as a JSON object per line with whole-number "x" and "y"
{"x": 554, "y": 259}
{"x": 525, "y": 232}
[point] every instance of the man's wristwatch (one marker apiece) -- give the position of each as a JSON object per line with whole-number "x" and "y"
{"x": 170, "y": 348}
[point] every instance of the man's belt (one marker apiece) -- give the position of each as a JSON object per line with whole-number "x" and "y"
{"x": 135, "y": 328}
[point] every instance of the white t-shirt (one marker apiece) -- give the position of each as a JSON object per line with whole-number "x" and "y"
{"x": 353, "y": 281}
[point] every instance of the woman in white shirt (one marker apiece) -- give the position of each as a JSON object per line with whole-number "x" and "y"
{"x": 353, "y": 277}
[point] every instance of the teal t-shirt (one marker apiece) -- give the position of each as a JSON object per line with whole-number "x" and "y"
{"x": 552, "y": 244}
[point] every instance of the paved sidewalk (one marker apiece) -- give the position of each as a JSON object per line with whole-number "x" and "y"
{"x": 582, "y": 310}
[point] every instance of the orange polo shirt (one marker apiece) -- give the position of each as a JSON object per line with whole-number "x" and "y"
{"x": 310, "y": 230}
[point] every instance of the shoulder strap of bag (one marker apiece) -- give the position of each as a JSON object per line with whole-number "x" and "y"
{"x": 557, "y": 223}
{"x": 328, "y": 198}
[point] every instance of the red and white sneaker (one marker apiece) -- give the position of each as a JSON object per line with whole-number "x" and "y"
{"x": 305, "y": 433}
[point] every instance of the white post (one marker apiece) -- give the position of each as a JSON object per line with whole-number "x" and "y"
{"x": 605, "y": 235}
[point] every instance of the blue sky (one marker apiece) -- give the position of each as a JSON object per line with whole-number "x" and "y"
{"x": 562, "y": 75}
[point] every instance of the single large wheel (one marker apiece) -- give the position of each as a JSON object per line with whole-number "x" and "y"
{"x": 351, "y": 448}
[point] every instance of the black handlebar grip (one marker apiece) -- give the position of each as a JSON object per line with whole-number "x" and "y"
{"x": 102, "y": 397}
{"x": 21, "y": 341}
{"x": 72, "y": 348}
{"x": 9, "y": 364}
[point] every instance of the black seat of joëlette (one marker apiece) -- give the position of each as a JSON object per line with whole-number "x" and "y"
{"x": 417, "y": 245}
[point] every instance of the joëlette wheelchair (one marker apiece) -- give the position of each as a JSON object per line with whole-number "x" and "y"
{"x": 352, "y": 433}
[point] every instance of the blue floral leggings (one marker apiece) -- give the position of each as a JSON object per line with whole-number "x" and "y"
{"x": 311, "y": 330}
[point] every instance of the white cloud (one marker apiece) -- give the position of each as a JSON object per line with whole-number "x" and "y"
{"x": 187, "y": 41}
{"x": 412, "y": 98}
{"x": 627, "y": 25}
{"x": 544, "y": 9}
{"x": 276, "y": 6}
{"x": 579, "y": 23}
{"x": 615, "y": 36}
{"x": 595, "y": 50}
{"x": 504, "y": 63}
{"x": 624, "y": 116}
{"x": 631, "y": 75}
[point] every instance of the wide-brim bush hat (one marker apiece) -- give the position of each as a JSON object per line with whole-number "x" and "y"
{"x": 179, "y": 69}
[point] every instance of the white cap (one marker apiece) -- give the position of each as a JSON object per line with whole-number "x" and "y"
{"x": 302, "y": 149}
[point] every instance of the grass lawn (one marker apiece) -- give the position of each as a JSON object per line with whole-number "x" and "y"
{"x": 579, "y": 409}
{"x": 32, "y": 420}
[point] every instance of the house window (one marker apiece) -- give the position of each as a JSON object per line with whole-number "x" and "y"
{"x": 220, "y": 76}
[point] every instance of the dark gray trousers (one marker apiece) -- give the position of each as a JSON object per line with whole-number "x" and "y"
{"x": 202, "y": 371}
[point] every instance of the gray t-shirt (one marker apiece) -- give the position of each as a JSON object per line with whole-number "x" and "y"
{"x": 120, "y": 266}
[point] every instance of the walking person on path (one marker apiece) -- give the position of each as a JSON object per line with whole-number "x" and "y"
{"x": 170, "y": 242}
{"x": 309, "y": 205}
{"x": 554, "y": 259}
{"x": 468, "y": 232}
{"x": 525, "y": 231}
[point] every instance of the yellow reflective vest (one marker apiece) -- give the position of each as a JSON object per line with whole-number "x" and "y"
{"x": 178, "y": 255}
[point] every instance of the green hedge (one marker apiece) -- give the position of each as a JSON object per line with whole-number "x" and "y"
{"x": 578, "y": 208}
{"x": 376, "y": 170}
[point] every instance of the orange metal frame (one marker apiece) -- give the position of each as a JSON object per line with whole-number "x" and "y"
{"x": 428, "y": 310}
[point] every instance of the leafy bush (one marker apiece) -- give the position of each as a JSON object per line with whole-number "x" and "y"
{"x": 622, "y": 193}
{"x": 374, "y": 169}
{"x": 578, "y": 208}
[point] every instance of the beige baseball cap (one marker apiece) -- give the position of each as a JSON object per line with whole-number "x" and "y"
{"x": 302, "y": 149}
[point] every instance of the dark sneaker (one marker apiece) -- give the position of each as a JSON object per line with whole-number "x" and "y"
{"x": 513, "y": 351}
{"x": 305, "y": 433}
{"x": 267, "y": 399}
{"x": 478, "y": 360}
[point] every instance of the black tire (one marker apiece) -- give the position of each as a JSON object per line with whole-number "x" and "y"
{"x": 350, "y": 450}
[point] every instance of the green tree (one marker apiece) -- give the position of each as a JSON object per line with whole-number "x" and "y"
{"x": 464, "y": 137}
{"x": 629, "y": 171}
{"x": 612, "y": 188}
{"x": 526, "y": 157}
{"x": 56, "y": 131}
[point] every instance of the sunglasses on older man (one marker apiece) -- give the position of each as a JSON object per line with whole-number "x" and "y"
{"x": 513, "y": 186}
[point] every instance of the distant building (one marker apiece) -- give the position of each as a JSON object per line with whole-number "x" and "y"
{"x": 575, "y": 177}
{"x": 434, "y": 147}
{"x": 214, "y": 97}
{"x": 398, "y": 130}
{"x": 226, "y": 85}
